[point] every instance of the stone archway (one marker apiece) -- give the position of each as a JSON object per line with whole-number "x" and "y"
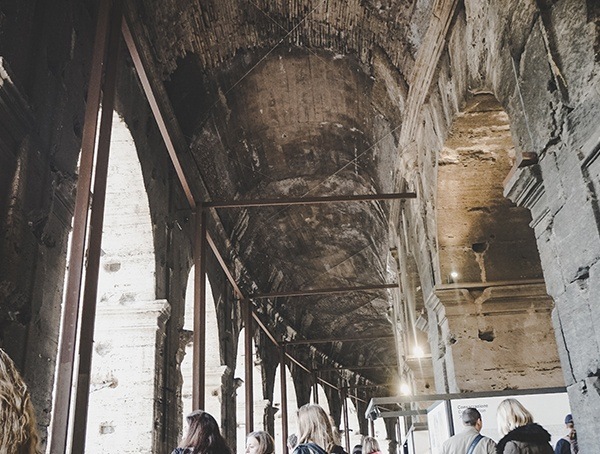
{"x": 490, "y": 283}
{"x": 213, "y": 368}
{"x": 130, "y": 322}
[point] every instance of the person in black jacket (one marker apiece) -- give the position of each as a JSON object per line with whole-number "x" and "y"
{"x": 203, "y": 436}
{"x": 521, "y": 434}
{"x": 568, "y": 443}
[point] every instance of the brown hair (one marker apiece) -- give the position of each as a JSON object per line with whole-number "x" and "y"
{"x": 265, "y": 441}
{"x": 203, "y": 435}
{"x": 18, "y": 432}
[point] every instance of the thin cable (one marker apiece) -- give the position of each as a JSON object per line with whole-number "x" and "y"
{"x": 283, "y": 28}
{"x": 255, "y": 66}
{"x": 336, "y": 172}
{"x": 270, "y": 51}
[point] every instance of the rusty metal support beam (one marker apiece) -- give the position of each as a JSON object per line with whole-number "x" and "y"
{"x": 284, "y": 407}
{"x": 158, "y": 115}
{"x": 249, "y": 365}
{"x": 344, "y": 396}
{"x": 323, "y": 291}
{"x": 90, "y": 292}
{"x": 309, "y": 200}
{"x": 353, "y": 368}
{"x": 259, "y": 322}
{"x": 199, "y": 352}
{"x": 70, "y": 313}
{"x": 336, "y": 339}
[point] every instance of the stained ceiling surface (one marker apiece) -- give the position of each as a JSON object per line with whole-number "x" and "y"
{"x": 292, "y": 99}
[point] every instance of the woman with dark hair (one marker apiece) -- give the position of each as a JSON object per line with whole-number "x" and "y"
{"x": 203, "y": 436}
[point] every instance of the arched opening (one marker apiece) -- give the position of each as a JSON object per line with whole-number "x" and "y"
{"x": 129, "y": 319}
{"x": 321, "y": 397}
{"x": 291, "y": 407}
{"x": 213, "y": 368}
{"x": 482, "y": 236}
{"x": 489, "y": 280}
{"x": 239, "y": 377}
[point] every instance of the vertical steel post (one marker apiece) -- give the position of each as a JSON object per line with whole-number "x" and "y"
{"x": 90, "y": 292}
{"x": 315, "y": 387}
{"x": 70, "y": 313}
{"x": 199, "y": 358}
{"x": 371, "y": 428}
{"x": 345, "y": 410}
{"x": 248, "y": 323}
{"x": 284, "y": 408}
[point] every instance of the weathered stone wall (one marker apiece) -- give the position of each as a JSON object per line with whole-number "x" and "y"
{"x": 48, "y": 49}
{"x": 562, "y": 189}
{"x": 542, "y": 66}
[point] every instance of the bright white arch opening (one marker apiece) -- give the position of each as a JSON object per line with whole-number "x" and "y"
{"x": 240, "y": 373}
{"x": 121, "y": 411}
{"x": 213, "y": 368}
{"x": 292, "y": 407}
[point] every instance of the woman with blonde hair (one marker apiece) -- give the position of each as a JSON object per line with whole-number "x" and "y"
{"x": 260, "y": 442}
{"x": 370, "y": 445}
{"x": 18, "y": 432}
{"x": 315, "y": 434}
{"x": 521, "y": 434}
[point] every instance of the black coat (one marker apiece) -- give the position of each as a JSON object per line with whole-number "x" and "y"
{"x": 528, "y": 439}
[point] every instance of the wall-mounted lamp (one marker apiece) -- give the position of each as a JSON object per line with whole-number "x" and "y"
{"x": 405, "y": 389}
{"x": 452, "y": 277}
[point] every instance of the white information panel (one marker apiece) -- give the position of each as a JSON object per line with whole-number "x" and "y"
{"x": 548, "y": 410}
{"x": 438, "y": 423}
{"x": 418, "y": 441}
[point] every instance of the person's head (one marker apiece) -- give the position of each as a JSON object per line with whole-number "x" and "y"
{"x": 18, "y": 430}
{"x": 260, "y": 442}
{"x": 203, "y": 434}
{"x": 369, "y": 445}
{"x": 569, "y": 421}
{"x": 357, "y": 449}
{"x": 472, "y": 418}
{"x": 511, "y": 414}
{"x": 292, "y": 442}
{"x": 314, "y": 426}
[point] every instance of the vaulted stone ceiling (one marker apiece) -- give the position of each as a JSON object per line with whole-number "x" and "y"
{"x": 293, "y": 99}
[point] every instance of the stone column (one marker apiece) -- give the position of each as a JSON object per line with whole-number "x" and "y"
{"x": 125, "y": 394}
{"x": 302, "y": 385}
{"x": 493, "y": 337}
{"x": 566, "y": 217}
